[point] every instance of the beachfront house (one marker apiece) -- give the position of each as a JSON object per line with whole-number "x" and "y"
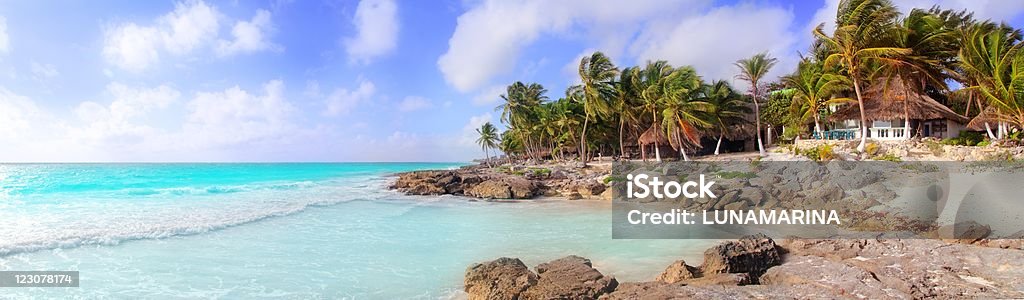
{"x": 894, "y": 113}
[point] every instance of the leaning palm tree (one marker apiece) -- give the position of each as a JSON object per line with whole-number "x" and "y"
{"x": 752, "y": 70}
{"x": 596, "y": 74}
{"x": 993, "y": 56}
{"x": 682, "y": 113}
{"x": 863, "y": 37}
{"x": 519, "y": 110}
{"x": 488, "y": 139}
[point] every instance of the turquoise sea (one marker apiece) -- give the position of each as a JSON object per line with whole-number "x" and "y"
{"x": 293, "y": 231}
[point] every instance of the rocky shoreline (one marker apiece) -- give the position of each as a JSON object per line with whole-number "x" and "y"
{"x": 757, "y": 267}
{"x": 509, "y": 182}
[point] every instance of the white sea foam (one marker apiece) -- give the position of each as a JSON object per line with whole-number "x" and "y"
{"x": 111, "y": 222}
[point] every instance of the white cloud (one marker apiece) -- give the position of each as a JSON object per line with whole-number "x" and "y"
{"x": 414, "y": 103}
{"x": 489, "y": 37}
{"x": 469, "y": 135}
{"x": 377, "y": 25}
{"x": 249, "y": 36}
{"x": 191, "y": 25}
{"x": 342, "y": 101}
{"x": 123, "y": 121}
{"x": 131, "y": 47}
{"x": 5, "y": 42}
{"x": 739, "y": 32}
{"x": 490, "y": 95}
{"x": 17, "y": 113}
{"x": 236, "y": 116}
{"x": 312, "y": 90}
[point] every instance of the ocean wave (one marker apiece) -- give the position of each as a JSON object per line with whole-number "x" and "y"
{"x": 221, "y": 189}
{"x": 114, "y": 225}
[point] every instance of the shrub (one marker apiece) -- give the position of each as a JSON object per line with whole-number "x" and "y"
{"x": 984, "y": 143}
{"x": 871, "y": 149}
{"x": 966, "y": 138}
{"x": 825, "y": 153}
{"x": 540, "y": 172}
{"x": 934, "y": 147}
{"x": 613, "y": 178}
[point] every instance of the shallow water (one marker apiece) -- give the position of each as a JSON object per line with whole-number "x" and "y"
{"x": 285, "y": 231}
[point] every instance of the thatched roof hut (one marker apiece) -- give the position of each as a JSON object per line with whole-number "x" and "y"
{"x": 887, "y": 103}
{"x": 653, "y": 135}
{"x": 986, "y": 116}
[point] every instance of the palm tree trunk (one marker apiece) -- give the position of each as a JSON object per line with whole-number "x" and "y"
{"x": 817, "y": 124}
{"x": 683, "y": 152}
{"x": 583, "y": 139}
{"x": 989, "y": 130}
{"x": 719, "y": 144}
{"x": 757, "y": 116}
{"x": 488, "y": 156}
{"x": 622, "y": 146}
{"x": 863, "y": 117}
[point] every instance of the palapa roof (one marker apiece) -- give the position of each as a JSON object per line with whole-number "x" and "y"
{"x": 881, "y": 103}
{"x": 986, "y": 116}
{"x": 652, "y": 135}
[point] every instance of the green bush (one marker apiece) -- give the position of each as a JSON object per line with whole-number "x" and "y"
{"x": 871, "y": 149}
{"x": 984, "y": 143}
{"x": 817, "y": 153}
{"x": 613, "y": 178}
{"x": 966, "y": 138}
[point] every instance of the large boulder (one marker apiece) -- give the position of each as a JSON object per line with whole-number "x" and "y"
{"x": 752, "y": 254}
{"x": 503, "y": 278}
{"x": 836, "y": 277}
{"x": 570, "y": 277}
{"x": 490, "y": 189}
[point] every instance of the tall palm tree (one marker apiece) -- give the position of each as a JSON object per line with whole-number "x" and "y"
{"x": 681, "y": 113}
{"x": 488, "y": 139}
{"x": 752, "y": 70}
{"x": 519, "y": 109}
{"x": 863, "y": 36}
{"x": 929, "y": 61}
{"x": 596, "y": 74}
{"x": 649, "y": 83}
{"x": 728, "y": 109}
{"x": 624, "y": 103}
{"x": 812, "y": 88}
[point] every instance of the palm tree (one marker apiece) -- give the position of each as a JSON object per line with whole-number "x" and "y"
{"x": 624, "y": 103}
{"x": 812, "y": 88}
{"x": 728, "y": 108}
{"x": 992, "y": 56}
{"x": 863, "y": 34}
{"x": 681, "y": 111}
{"x": 931, "y": 46}
{"x": 649, "y": 84}
{"x": 596, "y": 74}
{"x": 752, "y": 70}
{"x": 488, "y": 139}
{"x": 519, "y": 109}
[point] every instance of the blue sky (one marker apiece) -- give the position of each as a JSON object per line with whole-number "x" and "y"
{"x": 370, "y": 80}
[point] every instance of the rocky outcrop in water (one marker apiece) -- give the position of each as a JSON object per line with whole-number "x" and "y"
{"x": 792, "y": 269}
{"x": 520, "y": 182}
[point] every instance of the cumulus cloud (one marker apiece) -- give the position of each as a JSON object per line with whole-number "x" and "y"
{"x": 236, "y": 116}
{"x": 17, "y": 112}
{"x": 739, "y": 32}
{"x": 191, "y": 26}
{"x": 123, "y": 120}
{"x": 342, "y": 101}
{"x": 489, "y": 37}
{"x": 131, "y": 47}
{"x": 414, "y": 103}
{"x": 5, "y": 42}
{"x": 248, "y": 36}
{"x": 469, "y": 134}
{"x": 377, "y": 25}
